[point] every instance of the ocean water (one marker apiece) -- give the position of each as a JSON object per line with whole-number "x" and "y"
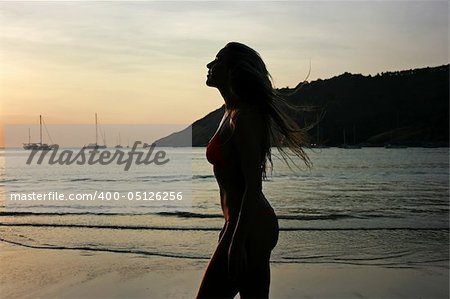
{"x": 370, "y": 206}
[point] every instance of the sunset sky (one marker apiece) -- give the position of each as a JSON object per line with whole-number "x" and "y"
{"x": 144, "y": 62}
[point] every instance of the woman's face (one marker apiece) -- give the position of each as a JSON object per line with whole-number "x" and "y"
{"x": 218, "y": 70}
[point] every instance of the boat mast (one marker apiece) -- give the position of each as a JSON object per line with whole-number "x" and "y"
{"x": 345, "y": 143}
{"x": 96, "y": 130}
{"x": 40, "y": 129}
{"x": 318, "y": 130}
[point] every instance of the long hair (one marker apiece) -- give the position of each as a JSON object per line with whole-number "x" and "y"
{"x": 252, "y": 83}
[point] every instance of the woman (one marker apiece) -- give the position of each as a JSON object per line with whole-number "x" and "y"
{"x": 254, "y": 120}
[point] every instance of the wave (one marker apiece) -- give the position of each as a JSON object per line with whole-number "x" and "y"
{"x": 23, "y": 213}
{"x": 202, "y": 177}
{"x": 80, "y": 180}
{"x": 115, "y": 250}
{"x": 185, "y": 214}
{"x": 186, "y": 177}
{"x": 316, "y": 217}
{"x": 118, "y": 227}
{"x": 394, "y": 265}
{"x": 9, "y": 180}
{"x": 186, "y": 228}
{"x": 180, "y": 214}
{"x": 282, "y": 260}
{"x": 92, "y": 180}
{"x": 140, "y": 179}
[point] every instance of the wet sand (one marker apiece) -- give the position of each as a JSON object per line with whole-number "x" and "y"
{"x": 46, "y": 273}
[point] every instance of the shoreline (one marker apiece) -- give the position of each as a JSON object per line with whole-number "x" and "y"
{"x": 46, "y": 273}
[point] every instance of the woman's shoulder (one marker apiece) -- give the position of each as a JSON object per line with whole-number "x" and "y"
{"x": 246, "y": 113}
{"x": 248, "y": 122}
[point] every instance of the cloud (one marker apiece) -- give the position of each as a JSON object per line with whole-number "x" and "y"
{"x": 94, "y": 53}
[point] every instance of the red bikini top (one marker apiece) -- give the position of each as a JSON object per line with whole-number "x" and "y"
{"x": 213, "y": 152}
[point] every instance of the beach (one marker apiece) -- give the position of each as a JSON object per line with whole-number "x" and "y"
{"x": 46, "y": 273}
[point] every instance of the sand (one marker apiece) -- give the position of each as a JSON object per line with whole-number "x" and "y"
{"x": 46, "y": 273}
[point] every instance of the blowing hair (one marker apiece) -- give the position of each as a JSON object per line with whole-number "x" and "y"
{"x": 252, "y": 83}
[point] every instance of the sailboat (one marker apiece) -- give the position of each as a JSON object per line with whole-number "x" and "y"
{"x": 37, "y": 145}
{"x": 348, "y": 146}
{"x": 318, "y": 144}
{"x": 119, "y": 145}
{"x": 95, "y": 145}
{"x": 393, "y": 144}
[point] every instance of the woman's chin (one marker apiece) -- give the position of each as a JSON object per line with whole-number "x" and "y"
{"x": 210, "y": 83}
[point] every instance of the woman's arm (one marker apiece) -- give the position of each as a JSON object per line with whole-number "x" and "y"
{"x": 247, "y": 139}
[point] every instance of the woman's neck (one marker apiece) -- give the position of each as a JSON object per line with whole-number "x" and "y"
{"x": 231, "y": 101}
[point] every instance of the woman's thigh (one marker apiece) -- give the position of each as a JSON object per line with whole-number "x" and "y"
{"x": 259, "y": 244}
{"x": 260, "y": 241}
{"x": 216, "y": 282}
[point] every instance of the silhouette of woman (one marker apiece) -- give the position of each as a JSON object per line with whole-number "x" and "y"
{"x": 254, "y": 120}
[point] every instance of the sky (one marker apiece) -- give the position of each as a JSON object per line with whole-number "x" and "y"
{"x": 145, "y": 62}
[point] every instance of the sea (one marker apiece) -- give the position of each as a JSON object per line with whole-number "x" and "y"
{"x": 372, "y": 206}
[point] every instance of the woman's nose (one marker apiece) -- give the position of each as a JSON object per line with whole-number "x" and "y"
{"x": 209, "y": 65}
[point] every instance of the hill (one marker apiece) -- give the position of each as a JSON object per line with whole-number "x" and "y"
{"x": 408, "y": 107}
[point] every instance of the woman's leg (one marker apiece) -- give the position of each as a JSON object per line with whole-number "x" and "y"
{"x": 257, "y": 280}
{"x": 215, "y": 282}
{"x": 259, "y": 245}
